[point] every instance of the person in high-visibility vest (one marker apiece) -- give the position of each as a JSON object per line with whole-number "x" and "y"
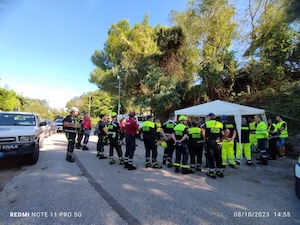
{"x": 195, "y": 146}
{"x": 166, "y": 132}
{"x": 244, "y": 144}
{"x": 261, "y": 134}
{"x": 228, "y": 143}
{"x": 283, "y": 135}
{"x": 180, "y": 137}
{"x": 71, "y": 124}
{"x": 158, "y": 129}
{"x": 272, "y": 139}
{"x": 114, "y": 130}
{"x": 149, "y": 134}
{"x": 253, "y": 139}
{"x": 213, "y": 135}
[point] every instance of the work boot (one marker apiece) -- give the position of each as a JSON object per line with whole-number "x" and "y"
{"x": 237, "y": 163}
{"x": 122, "y": 162}
{"x": 249, "y": 163}
{"x": 70, "y": 158}
{"x": 84, "y": 148}
{"x": 169, "y": 163}
{"x": 77, "y": 146}
{"x": 199, "y": 168}
{"x": 98, "y": 154}
{"x": 156, "y": 165}
{"x": 232, "y": 166}
{"x": 148, "y": 164}
{"x": 102, "y": 156}
{"x": 176, "y": 169}
{"x": 126, "y": 165}
{"x": 185, "y": 171}
{"x": 112, "y": 161}
{"x": 131, "y": 167}
{"x": 191, "y": 170}
{"x": 220, "y": 174}
{"x": 164, "y": 161}
{"x": 211, "y": 174}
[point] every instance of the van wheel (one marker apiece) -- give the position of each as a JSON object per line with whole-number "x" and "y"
{"x": 33, "y": 157}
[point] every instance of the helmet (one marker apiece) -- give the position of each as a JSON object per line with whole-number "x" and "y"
{"x": 164, "y": 144}
{"x": 73, "y": 109}
{"x": 113, "y": 114}
{"x": 223, "y": 117}
{"x": 182, "y": 118}
{"x": 131, "y": 113}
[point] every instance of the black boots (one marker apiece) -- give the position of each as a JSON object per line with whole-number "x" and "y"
{"x": 69, "y": 158}
{"x": 131, "y": 167}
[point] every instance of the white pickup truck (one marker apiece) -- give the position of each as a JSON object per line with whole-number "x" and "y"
{"x": 21, "y": 134}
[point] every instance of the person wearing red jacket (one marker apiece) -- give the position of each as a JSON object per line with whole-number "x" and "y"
{"x": 131, "y": 129}
{"x": 122, "y": 130}
{"x": 87, "y": 126}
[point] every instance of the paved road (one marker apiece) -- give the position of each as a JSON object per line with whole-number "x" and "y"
{"x": 91, "y": 191}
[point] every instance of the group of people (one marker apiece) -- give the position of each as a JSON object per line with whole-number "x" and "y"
{"x": 217, "y": 139}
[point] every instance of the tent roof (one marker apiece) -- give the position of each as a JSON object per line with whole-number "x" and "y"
{"x": 219, "y": 107}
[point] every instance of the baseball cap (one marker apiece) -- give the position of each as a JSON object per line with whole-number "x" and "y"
{"x": 113, "y": 114}
{"x": 211, "y": 114}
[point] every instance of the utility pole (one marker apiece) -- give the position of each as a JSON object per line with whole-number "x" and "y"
{"x": 115, "y": 70}
{"x": 119, "y": 97}
{"x": 90, "y": 104}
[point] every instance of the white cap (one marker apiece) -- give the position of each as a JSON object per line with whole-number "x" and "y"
{"x": 73, "y": 109}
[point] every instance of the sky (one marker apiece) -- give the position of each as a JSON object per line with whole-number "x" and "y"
{"x": 46, "y": 45}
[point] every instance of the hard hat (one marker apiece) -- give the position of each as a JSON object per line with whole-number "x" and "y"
{"x": 164, "y": 144}
{"x": 73, "y": 109}
{"x": 182, "y": 118}
{"x": 113, "y": 114}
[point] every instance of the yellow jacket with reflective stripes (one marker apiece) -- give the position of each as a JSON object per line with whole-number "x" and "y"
{"x": 284, "y": 132}
{"x": 261, "y": 130}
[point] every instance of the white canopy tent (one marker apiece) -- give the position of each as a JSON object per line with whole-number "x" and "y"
{"x": 219, "y": 108}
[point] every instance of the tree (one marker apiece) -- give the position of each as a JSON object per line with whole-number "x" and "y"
{"x": 209, "y": 27}
{"x": 150, "y": 64}
{"x": 38, "y": 106}
{"x": 96, "y": 102}
{"x": 273, "y": 44}
{"x": 9, "y": 100}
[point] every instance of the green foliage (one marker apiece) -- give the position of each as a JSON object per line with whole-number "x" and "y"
{"x": 273, "y": 49}
{"x": 38, "y": 106}
{"x": 8, "y": 100}
{"x": 209, "y": 27}
{"x": 95, "y": 103}
{"x": 150, "y": 64}
{"x": 166, "y": 68}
